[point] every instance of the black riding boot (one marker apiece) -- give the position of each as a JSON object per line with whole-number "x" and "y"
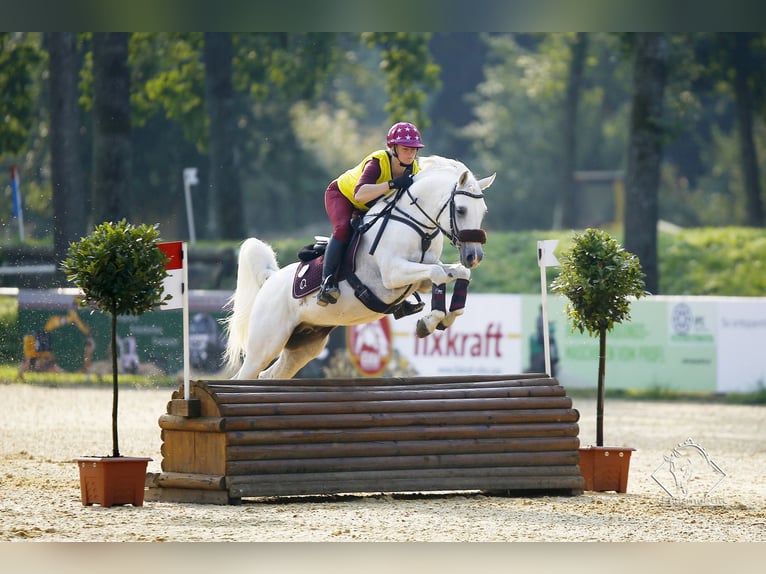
{"x": 329, "y": 291}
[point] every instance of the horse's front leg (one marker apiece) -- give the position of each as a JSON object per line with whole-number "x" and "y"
{"x": 439, "y": 317}
{"x": 398, "y": 273}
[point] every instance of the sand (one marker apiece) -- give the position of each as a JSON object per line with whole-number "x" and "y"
{"x": 43, "y": 429}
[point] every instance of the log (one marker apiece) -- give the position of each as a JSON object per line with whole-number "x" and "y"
{"x": 402, "y": 462}
{"x": 299, "y": 436}
{"x": 337, "y": 395}
{"x": 302, "y": 485}
{"x": 386, "y": 406}
{"x": 526, "y": 378}
{"x": 399, "y": 419}
{"x": 181, "y": 423}
{"x": 192, "y": 481}
{"x": 398, "y": 448}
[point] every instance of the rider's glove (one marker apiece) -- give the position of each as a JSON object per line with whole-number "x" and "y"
{"x": 402, "y": 182}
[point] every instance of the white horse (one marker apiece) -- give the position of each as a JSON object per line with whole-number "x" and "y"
{"x": 405, "y": 233}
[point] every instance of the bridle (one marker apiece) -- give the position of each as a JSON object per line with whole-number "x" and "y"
{"x": 454, "y": 235}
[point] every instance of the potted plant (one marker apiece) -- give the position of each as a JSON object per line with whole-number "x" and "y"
{"x": 599, "y": 279}
{"x": 120, "y": 271}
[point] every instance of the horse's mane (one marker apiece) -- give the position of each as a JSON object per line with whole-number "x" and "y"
{"x": 437, "y": 161}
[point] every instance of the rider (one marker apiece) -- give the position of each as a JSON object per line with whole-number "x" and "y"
{"x": 359, "y": 188}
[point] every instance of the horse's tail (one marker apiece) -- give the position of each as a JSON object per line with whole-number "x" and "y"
{"x": 257, "y": 262}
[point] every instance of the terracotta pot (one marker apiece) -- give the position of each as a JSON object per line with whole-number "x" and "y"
{"x": 111, "y": 481}
{"x": 605, "y": 467}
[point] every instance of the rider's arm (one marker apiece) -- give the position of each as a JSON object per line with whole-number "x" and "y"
{"x": 368, "y": 189}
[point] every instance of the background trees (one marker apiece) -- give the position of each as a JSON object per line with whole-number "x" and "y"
{"x": 102, "y": 126}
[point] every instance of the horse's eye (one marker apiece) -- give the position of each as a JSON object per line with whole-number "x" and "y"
{"x": 461, "y": 211}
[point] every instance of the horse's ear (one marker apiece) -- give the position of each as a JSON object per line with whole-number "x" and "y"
{"x": 487, "y": 181}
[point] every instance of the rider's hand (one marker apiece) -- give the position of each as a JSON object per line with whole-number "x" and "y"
{"x": 402, "y": 182}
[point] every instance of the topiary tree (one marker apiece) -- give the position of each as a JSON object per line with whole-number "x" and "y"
{"x": 120, "y": 271}
{"x": 599, "y": 278}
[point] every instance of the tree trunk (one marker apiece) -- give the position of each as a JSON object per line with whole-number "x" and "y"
{"x": 115, "y": 389}
{"x": 748, "y": 153}
{"x": 225, "y": 200}
{"x": 70, "y": 202}
{"x": 112, "y": 161}
{"x": 461, "y": 56}
{"x": 567, "y": 213}
{"x": 645, "y": 153}
{"x": 601, "y": 387}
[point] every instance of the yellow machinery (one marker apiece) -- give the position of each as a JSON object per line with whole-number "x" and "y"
{"x": 38, "y": 355}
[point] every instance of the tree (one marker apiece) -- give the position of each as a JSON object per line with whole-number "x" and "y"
{"x": 70, "y": 202}
{"x": 226, "y": 204}
{"x": 645, "y": 151}
{"x": 598, "y": 277}
{"x": 461, "y": 57}
{"x": 410, "y": 74}
{"x": 112, "y": 152}
{"x": 567, "y": 215}
{"x": 120, "y": 270}
{"x": 18, "y": 53}
{"x": 742, "y": 62}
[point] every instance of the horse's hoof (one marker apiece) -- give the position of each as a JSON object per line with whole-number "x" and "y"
{"x": 441, "y": 326}
{"x": 422, "y": 330}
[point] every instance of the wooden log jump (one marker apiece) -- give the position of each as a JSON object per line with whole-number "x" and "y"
{"x": 498, "y": 433}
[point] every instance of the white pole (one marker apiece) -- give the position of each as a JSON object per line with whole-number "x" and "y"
{"x": 185, "y": 311}
{"x": 545, "y": 258}
{"x": 544, "y": 307}
{"x": 190, "y": 178}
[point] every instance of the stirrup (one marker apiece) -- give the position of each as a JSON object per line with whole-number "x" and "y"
{"x": 329, "y": 293}
{"x": 407, "y": 308}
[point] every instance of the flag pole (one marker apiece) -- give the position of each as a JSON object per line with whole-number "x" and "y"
{"x": 18, "y": 204}
{"x": 185, "y": 311}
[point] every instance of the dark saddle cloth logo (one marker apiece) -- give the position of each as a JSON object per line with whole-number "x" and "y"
{"x": 308, "y": 277}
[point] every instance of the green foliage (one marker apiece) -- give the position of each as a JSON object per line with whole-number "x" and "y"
{"x": 722, "y": 261}
{"x": 167, "y": 73}
{"x": 10, "y": 335}
{"x": 598, "y": 277}
{"x": 119, "y": 268}
{"x": 19, "y": 55}
{"x": 410, "y": 73}
{"x": 519, "y": 114}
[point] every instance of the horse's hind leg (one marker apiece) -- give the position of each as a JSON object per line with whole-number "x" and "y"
{"x": 294, "y": 357}
{"x": 262, "y": 347}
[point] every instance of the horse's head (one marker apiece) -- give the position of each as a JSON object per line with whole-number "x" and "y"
{"x": 461, "y": 208}
{"x": 467, "y": 210}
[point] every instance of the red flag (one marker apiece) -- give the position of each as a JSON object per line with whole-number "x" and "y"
{"x": 173, "y": 284}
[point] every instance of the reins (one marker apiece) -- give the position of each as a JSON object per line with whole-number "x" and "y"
{"x": 427, "y": 234}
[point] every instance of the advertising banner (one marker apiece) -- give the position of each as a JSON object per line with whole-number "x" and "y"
{"x": 741, "y": 365}
{"x": 668, "y": 344}
{"x": 486, "y": 339}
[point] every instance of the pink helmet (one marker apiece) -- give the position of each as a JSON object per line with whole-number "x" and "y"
{"x": 404, "y": 133}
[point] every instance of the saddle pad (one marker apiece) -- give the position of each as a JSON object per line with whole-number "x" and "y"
{"x": 308, "y": 275}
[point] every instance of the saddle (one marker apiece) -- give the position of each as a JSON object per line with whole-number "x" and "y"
{"x": 308, "y": 275}
{"x": 308, "y": 278}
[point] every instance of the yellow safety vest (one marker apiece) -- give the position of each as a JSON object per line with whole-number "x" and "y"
{"x": 348, "y": 181}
